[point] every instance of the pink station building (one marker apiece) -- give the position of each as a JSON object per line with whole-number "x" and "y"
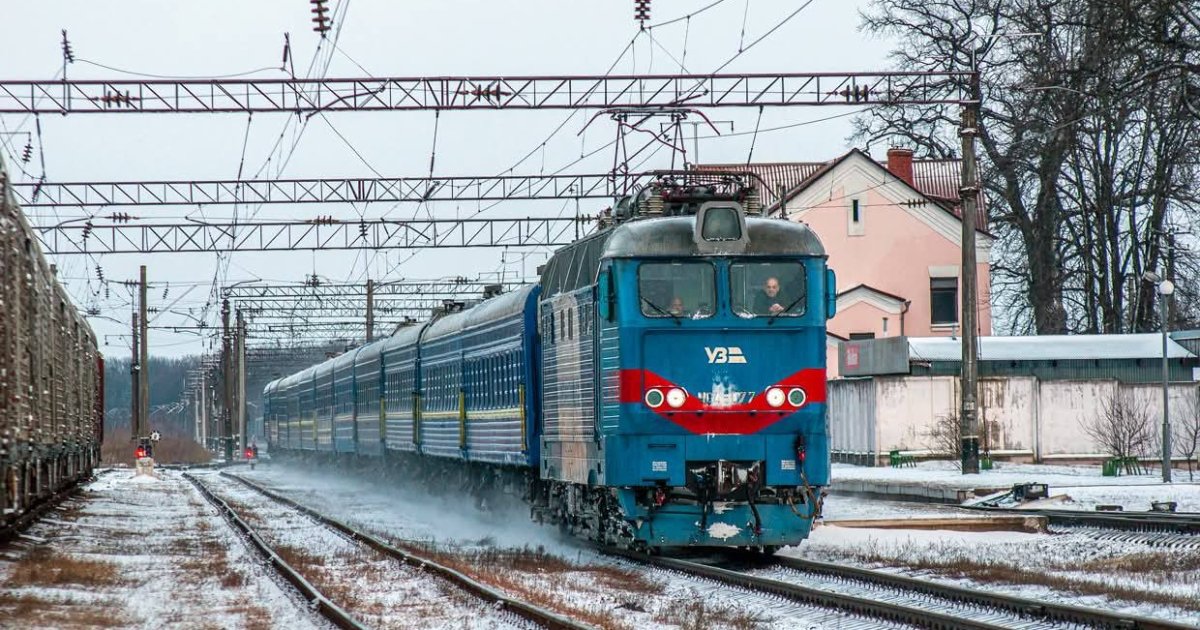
{"x": 893, "y": 233}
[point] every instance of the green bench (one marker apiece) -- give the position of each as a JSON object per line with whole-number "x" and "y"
{"x": 898, "y": 460}
{"x": 1115, "y": 466}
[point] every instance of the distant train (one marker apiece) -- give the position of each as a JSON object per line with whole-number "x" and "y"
{"x": 51, "y": 373}
{"x": 662, "y": 385}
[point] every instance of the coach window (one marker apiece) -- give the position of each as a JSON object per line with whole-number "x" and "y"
{"x": 677, "y": 289}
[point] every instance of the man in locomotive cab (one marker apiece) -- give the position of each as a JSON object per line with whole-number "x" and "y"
{"x": 768, "y": 301}
{"x": 676, "y": 306}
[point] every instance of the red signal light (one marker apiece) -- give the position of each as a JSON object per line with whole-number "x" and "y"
{"x": 139, "y": 453}
{"x": 249, "y": 453}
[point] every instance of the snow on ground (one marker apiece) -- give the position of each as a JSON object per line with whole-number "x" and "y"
{"x": 377, "y": 590}
{"x": 1073, "y": 568}
{"x": 139, "y": 553}
{"x": 1084, "y": 484}
{"x": 839, "y": 507}
{"x": 615, "y": 593}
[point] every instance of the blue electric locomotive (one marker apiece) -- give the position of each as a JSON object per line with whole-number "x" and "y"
{"x": 662, "y": 385}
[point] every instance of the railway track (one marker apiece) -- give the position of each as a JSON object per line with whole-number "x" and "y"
{"x": 893, "y": 598}
{"x": 326, "y": 608}
{"x": 1161, "y": 522}
{"x": 483, "y": 592}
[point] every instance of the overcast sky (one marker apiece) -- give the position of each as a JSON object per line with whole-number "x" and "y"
{"x": 411, "y": 38}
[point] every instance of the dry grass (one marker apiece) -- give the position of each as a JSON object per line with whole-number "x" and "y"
{"x": 46, "y": 567}
{"x": 341, "y": 586}
{"x": 60, "y": 613}
{"x": 698, "y": 615}
{"x": 501, "y": 568}
{"x": 117, "y": 448}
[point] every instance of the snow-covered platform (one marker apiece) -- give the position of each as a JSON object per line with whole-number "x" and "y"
{"x": 941, "y": 482}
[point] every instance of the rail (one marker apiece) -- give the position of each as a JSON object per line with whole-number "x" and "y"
{"x": 524, "y": 610}
{"x": 331, "y": 611}
{"x": 1018, "y": 605}
{"x": 814, "y": 596}
{"x": 1186, "y": 523}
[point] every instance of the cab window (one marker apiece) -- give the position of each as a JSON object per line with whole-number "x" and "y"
{"x": 677, "y": 289}
{"x": 768, "y": 288}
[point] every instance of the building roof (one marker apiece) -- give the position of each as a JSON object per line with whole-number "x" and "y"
{"x": 936, "y": 179}
{"x": 867, "y": 287}
{"x": 1048, "y": 347}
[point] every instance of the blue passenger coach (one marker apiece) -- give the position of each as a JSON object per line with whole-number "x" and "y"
{"x": 662, "y": 385}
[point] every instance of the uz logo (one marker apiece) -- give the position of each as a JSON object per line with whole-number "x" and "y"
{"x": 720, "y": 354}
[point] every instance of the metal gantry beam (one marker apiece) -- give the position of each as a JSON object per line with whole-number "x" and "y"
{"x": 331, "y": 234}
{"x": 318, "y": 190}
{"x": 310, "y": 310}
{"x": 319, "y": 306}
{"x": 482, "y": 92}
{"x": 438, "y": 288}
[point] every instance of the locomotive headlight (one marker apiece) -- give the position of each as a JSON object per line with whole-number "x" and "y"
{"x": 797, "y": 397}
{"x": 654, "y": 398}
{"x": 676, "y": 397}
{"x": 775, "y": 397}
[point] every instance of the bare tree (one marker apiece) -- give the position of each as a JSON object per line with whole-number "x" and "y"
{"x": 1185, "y": 431}
{"x": 1123, "y": 428}
{"x": 1087, "y": 128}
{"x": 944, "y": 436}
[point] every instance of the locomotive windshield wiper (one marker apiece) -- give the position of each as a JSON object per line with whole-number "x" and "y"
{"x": 786, "y": 309}
{"x": 662, "y": 310}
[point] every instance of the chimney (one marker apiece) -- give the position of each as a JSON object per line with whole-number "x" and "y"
{"x": 900, "y": 163}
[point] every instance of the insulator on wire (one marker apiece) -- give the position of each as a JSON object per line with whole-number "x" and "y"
{"x": 641, "y": 12}
{"x": 27, "y": 152}
{"x": 320, "y": 19}
{"x": 68, "y": 54}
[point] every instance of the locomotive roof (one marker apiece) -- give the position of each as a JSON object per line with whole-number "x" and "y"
{"x": 673, "y": 236}
{"x": 491, "y": 309}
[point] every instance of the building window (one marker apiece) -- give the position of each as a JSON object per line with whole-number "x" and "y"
{"x": 943, "y": 300}
{"x": 859, "y": 336}
{"x": 854, "y": 225}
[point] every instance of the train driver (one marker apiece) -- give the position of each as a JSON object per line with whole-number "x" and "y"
{"x": 768, "y": 301}
{"x": 676, "y": 306}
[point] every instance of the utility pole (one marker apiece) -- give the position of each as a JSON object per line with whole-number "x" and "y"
{"x": 196, "y": 417}
{"x": 135, "y": 414}
{"x": 370, "y": 310}
{"x": 204, "y": 408}
{"x": 227, "y": 381}
{"x": 144, "y": 363}
{"x": 240, "y": 357}
{"x": 969, "y": 191}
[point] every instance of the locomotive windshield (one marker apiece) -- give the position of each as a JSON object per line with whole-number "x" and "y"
{"x": 677, "y": 289}
{"x": 768, "y": 288}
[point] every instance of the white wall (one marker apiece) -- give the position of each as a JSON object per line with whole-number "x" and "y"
{"x": 906, "y": 406}
{"x": 1027, "y": 417}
